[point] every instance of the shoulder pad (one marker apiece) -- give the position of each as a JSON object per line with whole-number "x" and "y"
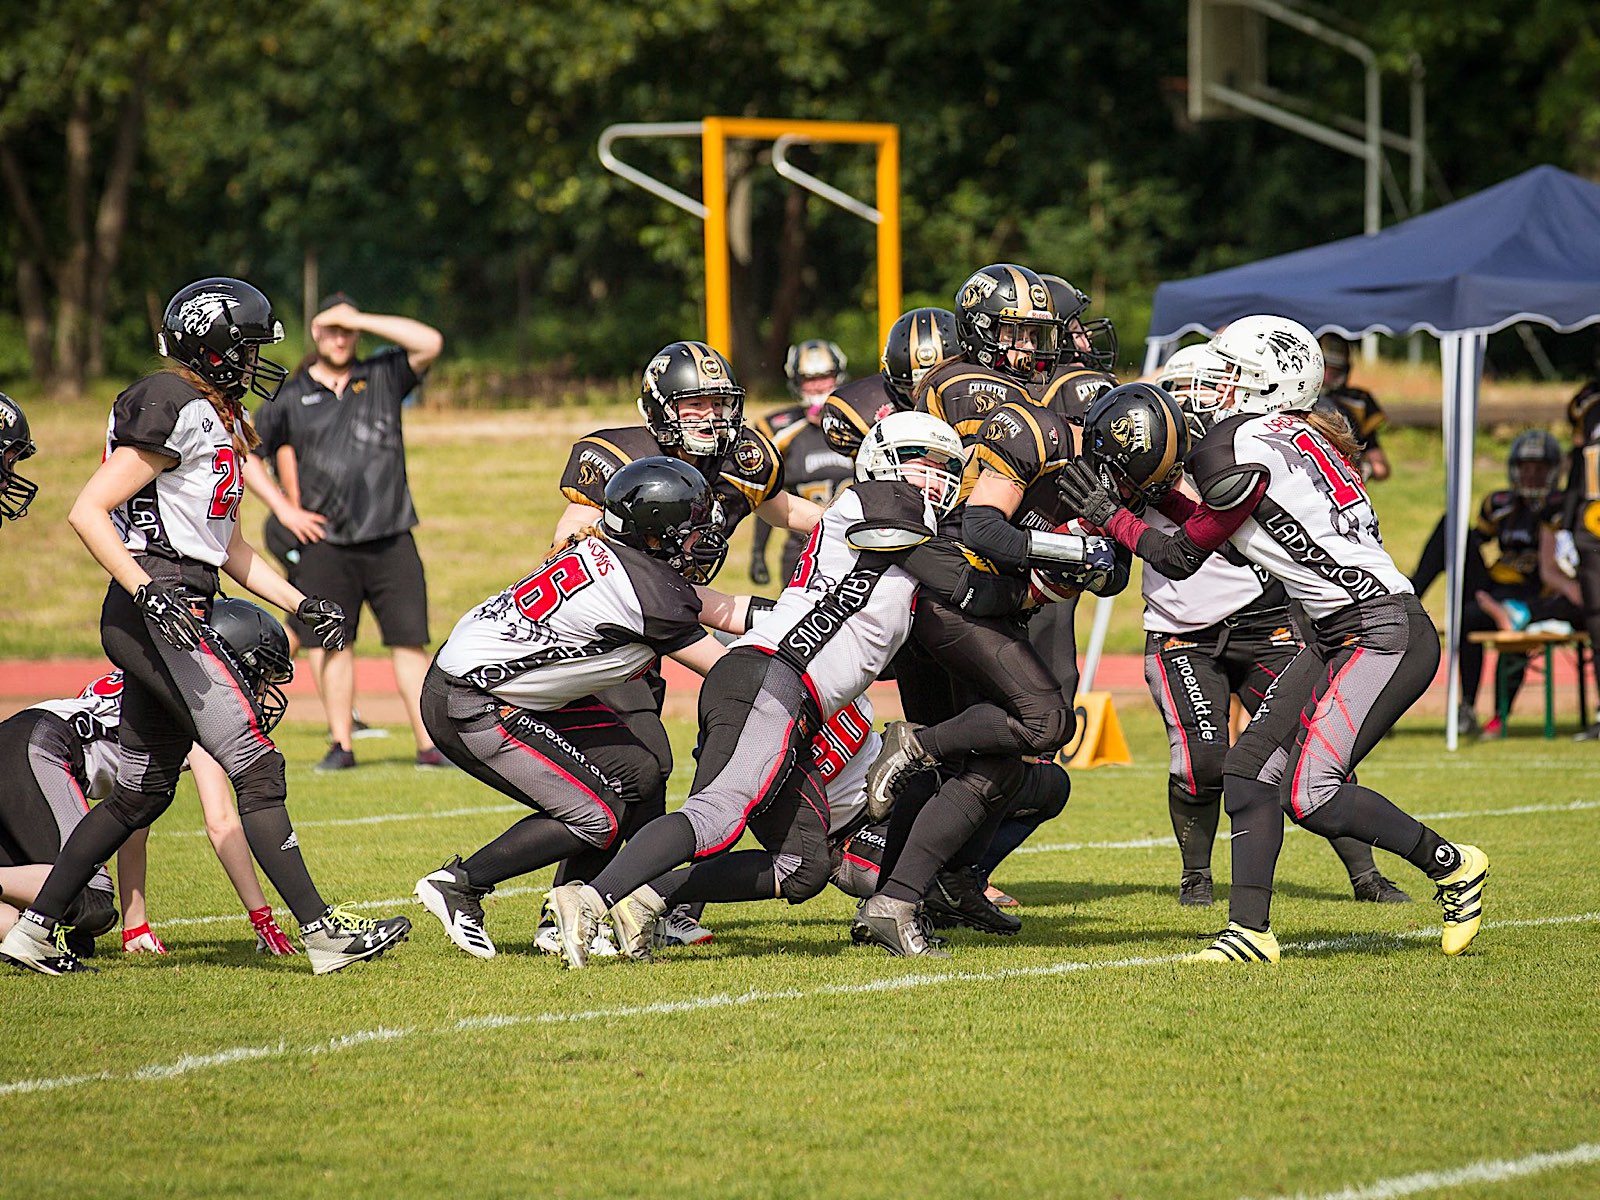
{"x": 886, "y": 535}
{"x": 1228, "y": 488}
{"x": 890, "y": 502}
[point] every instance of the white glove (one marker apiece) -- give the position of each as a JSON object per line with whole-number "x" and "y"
{"x": 1566, "y": 553}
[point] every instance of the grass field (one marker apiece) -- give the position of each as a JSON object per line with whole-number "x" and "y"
{"x": 1079, "y": 1059}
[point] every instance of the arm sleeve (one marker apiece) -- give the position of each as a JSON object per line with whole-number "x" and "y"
{"x": 987, "y": 531}
{"x": 950, "y": 570}
{"x": 1180, "y": 555}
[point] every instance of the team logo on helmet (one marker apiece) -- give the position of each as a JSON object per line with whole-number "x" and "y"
{"x": 1291, "y": 350}
{"x": 926, "y": 355}
{"x": 711, "y": 367}
{"x": 977, "y": 289}
{"x": 7, "y": 417}
{"x": 199, "y": 312}
{"x": 1132, "y": 430}
{"x": 1040, "y": 295}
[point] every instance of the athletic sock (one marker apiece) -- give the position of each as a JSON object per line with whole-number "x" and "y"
{"x": 942, "y": 827}
{"x": 533, "y": 842}
{"x": 903, "y": 816}
{"x": 1194, "y": 822}
{"x": 981, "y": 729}
{"x": 1434, "y": 856}
{"x": 98, "y": 836}
{"x": 727, "y": 878}
{"x": 665, "y": 843}
{"x": 1360, "y": 812}
{"x": 275, "y": 847}
{"x": 1257, "y": 821}
{"x": 1355, "y": 854}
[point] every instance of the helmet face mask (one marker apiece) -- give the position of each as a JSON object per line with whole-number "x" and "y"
{"x": 16, "y": 493}
{"x": 664, "y": 508}
{"x": 918, "y": 341}
{"x": 1088, "y": 343}
{"x": 216, "y": 327}
{"x": 1264, "y": 364}
{"x": 915, "y": 448}
{"x": 692, "y": 376}
{"x": 1136, "y": 439}
{"x": 1180, "y": 378}
{"x": 259, "y": 647}
{"x": 1007, "y": 321}
{"x": 813, "y": 369}
{"x": 1531, "y": 464}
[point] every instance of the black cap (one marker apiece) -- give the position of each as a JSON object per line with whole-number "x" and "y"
{"x": 333, "y": 298}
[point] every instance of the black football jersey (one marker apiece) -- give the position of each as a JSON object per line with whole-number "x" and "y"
{"x": 746, "y": 478}
{"x": 1071, "y": 389}
{"x": 1027, "y": 445}
{"x": 852, "y": 409}
{"x": 962, "y": 396}
{"x": 812, "y": 469}
{"x": 1362, "y": 410}
{"x": 1513, "y": 526}
{"x": 1584, "y": 414}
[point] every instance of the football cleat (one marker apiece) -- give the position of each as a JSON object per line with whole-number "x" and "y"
{"x": 680, "y": 928}
{"x": 547, "y": 941}
{"x": 633, "y": 919}
{"x": 1236, "y": 944}
{"x": 458, "y": 906}
{"x": 1194, "y": 888}
{"x": 338, "y": 938}
{"x": 33, "y": 945}
{"x": 1460, "y": 895}
{"x": 1373, "y": 888}
{"x": 898, "y": 927}
{"x": 956, "y": 898}
{"x": 902, "y": 756}
{"x": 576, "y": 910}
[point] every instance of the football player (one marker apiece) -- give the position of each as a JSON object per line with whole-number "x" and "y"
{"x": 16, "y": 493}
{"x": 918, "y": 341}
{"x": 161, "y": 516}
{"x": 1225, "y": 631}
{"x": 812, "y": 469}
{"x": 1088, "y": 354}
{"x": 511, "y": 697}
{"x": 1359, "y": 406}
{"x": 845, "y": 612}
{"x": 1578, "y": 539}
{"x": 1274, "y": 481}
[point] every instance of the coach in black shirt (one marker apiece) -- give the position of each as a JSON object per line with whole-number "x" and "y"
{"x": 333, "y": 434}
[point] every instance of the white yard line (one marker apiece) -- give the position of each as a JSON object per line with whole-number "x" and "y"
{"x": 188, "y": 1063}
{"x": 1489, "y": 1170}
{"x": 375, "y": 819}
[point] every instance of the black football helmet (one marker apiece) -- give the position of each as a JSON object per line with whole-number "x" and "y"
{"x": 690, "y": 371}
{"x": 16, "y": 493}
{"x": 814, "y": 358}
{"x": 1088, "y": 343}
{"x": 216, "y": 327}
{"x": 1335, "y": 360}
{"x": 260, "y": 649}
{"x": 1136, "y": 440}
{"x": 1532, "y": 464}
{"x": 1002, "y": 306}
{"x": 663, "y": 507}
{"x": 918, "y": 341}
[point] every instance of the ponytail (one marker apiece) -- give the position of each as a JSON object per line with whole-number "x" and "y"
{"x": 1335, "y": 426}
{"x": 232, "y": 414}
{"x": 572, "y": 539}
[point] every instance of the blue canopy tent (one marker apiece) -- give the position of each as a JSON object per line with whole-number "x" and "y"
{"x": 1527, "y": 249}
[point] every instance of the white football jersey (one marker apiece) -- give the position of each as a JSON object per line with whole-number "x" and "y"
{"x": 1217, "y": 590}
{"x": 95, "y": 716}
{"x": 594, "y": 616}
{"x": 188, "y": 511}
{"x": 1315, "y": 529}
{"x": 845, "y": 613}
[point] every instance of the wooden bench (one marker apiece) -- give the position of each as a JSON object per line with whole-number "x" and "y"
{"x": 1516, "y": 641}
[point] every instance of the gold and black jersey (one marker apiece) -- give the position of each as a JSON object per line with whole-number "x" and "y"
{"x": 852, "y": 409}
{"x": 962, "y": 396}
{"x": 1026, "y": 445}
{"x": 1513, "y": 525}
{"x": 1583, "y": 412}
{"x": 812, "y": 469}
{"x": 1071, "y": 389}
{"x": 747, "y": 477}
{"x": 1362, "y": 410}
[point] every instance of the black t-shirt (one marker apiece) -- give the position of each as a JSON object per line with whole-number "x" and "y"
{"x": 350, "y": 448}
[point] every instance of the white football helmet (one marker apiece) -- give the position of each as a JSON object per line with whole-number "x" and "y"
{"x": 1267, "y": 364}
{"x": 918, "y": 449}
{"x": 1181, "y": 377}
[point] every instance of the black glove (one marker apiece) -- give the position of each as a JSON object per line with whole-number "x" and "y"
{"x": 167, "y": 608}
{"x": 326, "y": 620}
{"x": 759, "y": 575}
{"x": 1081, "y": 488}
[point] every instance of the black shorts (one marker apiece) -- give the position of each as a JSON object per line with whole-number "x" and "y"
{"x": 385, "y": 573}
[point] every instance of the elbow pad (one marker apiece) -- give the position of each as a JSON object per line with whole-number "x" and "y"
{"x": 1176, "y": 557}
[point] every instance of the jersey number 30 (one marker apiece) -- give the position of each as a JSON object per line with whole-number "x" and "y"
{"x": 1342, "y": 482}
{"x": 537, "y": 596}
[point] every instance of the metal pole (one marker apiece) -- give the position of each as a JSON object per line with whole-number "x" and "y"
{"x": 888, "y": 181}
{"x": 714, "y": 192}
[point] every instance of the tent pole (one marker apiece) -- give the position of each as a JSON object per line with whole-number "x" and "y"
{"x": 1449, "y": 362}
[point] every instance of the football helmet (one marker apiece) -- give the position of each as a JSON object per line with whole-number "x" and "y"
{"x": 919, "y": 449}
{"x": 1531, "y": 464}
{"x": 1005, "y": 309}
{"x": 663, "y": 507}
{"x": 1181, "y": 376}
{"x": 1136, "y": 440}
{"x": 216, "y": 327}
{"x": 818, "y": 363}
{"x": 1335, "y": 360}
{"x": 16, "y": 493}
{"x": 1264, "y": 364}
{"x": 686, "y": 371}
{"x": 1091, "y": 343}
{"x": 260, "y": 649}
{"x": 918, "y": 341}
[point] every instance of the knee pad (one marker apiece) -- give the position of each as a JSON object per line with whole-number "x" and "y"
{"x": 1241, "y": 792}
{"x": 92, "y": 911}
{"x": 1200, "y": 777}
{"x": 1043, "y": 795}
{"x": 993, "y": 779}
{"x": 261, "y": 785}
{"x": 136, "y": 810}
{"x": 800, "y": 877}
{"x": 1051, "y": 730}
{"x": 1180, "y": 793}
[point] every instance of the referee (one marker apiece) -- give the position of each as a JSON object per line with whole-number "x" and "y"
{"x": 333, "y": 435}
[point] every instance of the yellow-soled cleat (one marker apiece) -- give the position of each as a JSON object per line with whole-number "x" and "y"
{"x": 1460, "y": 895}
{"x": 1236, "y": 944}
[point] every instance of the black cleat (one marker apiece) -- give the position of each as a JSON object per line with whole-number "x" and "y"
{"x": 458, "y": 905}
{"x": 1373, "y": 888}
{"x": 902, "y": 757}
{"x": 956, "y": 898}
{"x": 339, "y": 937}
{"x": 1194, "y": 888}
{"x": 897, "y": 927}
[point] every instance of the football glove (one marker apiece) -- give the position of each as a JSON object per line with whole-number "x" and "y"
{"x": 326, "y": 620}
{"x": 1082, "y": 489}
{"x": 269, "y": 938}
{"x": 139, "y": 940}
{"x": 1566, "y": 553}
{"x": 167, "y": 608}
